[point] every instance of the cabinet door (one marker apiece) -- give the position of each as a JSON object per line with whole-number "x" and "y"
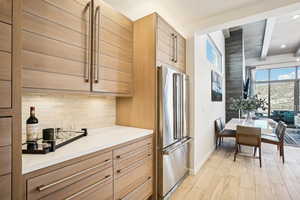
{"x": 57, "y": 44}
{"x": 165, "y": 43}
{"x": 6, "y": 11}
{"x": 134, "y": 177}
{"x": 5, "y": 185}
{"x": 170, "y": 46}
{"x": 5, "y": 64}
{"x": 113, "y": 48}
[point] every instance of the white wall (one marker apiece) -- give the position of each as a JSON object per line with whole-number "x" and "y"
{"x": 203, "y": 110}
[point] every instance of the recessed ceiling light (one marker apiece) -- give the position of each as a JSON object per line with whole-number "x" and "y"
{"x": 298, "y": 59}
{"x": 296, "y": 16}
{"x": 283, "y": 46}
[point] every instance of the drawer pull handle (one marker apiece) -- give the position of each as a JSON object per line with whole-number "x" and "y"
{"x": 118, "y": 171}
{"x": 118, "y": 157}
{"x": 44, "y": 187}
{"x": 88, "y": 188}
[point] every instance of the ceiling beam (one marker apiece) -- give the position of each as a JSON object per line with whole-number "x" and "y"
{"x": 270, "y": 24}
{"x": 226, "y": 33}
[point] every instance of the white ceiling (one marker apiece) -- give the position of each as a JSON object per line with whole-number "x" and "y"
{"x": 178, "y": 13}
{"x": 287, "y": 32}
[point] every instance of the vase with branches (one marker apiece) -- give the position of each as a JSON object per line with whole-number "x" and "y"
{"x": 248, "y": 105}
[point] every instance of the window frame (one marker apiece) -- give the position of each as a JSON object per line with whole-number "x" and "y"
{"x": 296, "y": 81}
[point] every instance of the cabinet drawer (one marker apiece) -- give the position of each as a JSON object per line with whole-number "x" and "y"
{"x": 5, "y": 94}
{"x": 6, "y": 11}
{"x": 123, "y": 151}
{"x": 5, "y": 131}
{"x": 127, "y": 160}
{"x": 5, "y": 185}
{"x": 130, "y": 180}
{"x": 142, "y": 192}
{"x": 96, "y": 186}
{"x": 43, "y": 185}
{"x": 5, "y": 66}
{"x": 5, "y": 160}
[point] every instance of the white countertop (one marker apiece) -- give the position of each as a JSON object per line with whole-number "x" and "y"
{"x": 97, "y": 139}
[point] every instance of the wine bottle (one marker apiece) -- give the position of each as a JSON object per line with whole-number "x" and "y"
{"x": 32, "y": 125}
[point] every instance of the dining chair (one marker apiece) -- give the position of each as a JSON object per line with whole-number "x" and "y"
{"x": 248, "y": 136}
{"x": 276, "y": 138}
{"x": 221, "y": 132}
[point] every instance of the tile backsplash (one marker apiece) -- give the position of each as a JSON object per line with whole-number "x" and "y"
{"x": 69, "y": 111}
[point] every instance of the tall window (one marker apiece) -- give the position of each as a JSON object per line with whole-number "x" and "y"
{"x": 280, "y": 87}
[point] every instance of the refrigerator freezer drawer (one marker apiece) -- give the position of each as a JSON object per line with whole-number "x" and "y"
{"x": 175, "y": 167}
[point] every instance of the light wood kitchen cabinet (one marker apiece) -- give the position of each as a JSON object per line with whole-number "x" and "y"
{"x": 170, "y": 45}
{"x": 164, "y": 46}
{"x": 122, "y": 172}
{"x": 5, "y": 185}
{"x": 72, "y": 179}
{"x": 73, "y": 45}
{"x": 57, "y": 44}
{"x": 10, "y": 99}
{"x": 113, "y": 46}
{"x": 5, "y": 56}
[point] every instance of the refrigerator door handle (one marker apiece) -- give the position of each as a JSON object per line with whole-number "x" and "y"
{"x": 175, "y": 107}
{"x": 181, "y": 97}
{"x": 172, "y": 149}
{"x": 185, "y": 106}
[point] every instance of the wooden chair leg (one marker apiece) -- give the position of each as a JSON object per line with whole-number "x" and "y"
{"x": 255, "y": 148}
{"x": 282, "y": 153}
{"x": 220, "y": 140}
{"x": 236, "y": 151}
{"x": 217, "y": 143}
{"x": 240, "y": 148}
{"x": 259, "y": 156}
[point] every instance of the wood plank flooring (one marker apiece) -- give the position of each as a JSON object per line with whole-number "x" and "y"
{"x": 221, "y": 178}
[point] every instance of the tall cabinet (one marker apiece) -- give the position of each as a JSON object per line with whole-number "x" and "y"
{"x": 10, "y": 137}
{"x": 155, "y": 43}
{"x": 81, "y": 46}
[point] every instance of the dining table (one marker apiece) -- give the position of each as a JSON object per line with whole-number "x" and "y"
{"x": 267, "y": 125}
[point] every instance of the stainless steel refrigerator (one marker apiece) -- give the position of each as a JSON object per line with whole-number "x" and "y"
{"x": 173, "y": 130}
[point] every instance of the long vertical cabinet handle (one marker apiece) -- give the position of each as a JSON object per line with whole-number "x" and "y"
{"x": 88, "y": 44}
{"x": 173, "y": 47}
{"x": 97, "y": 44}
{"x": 176, "y": 48}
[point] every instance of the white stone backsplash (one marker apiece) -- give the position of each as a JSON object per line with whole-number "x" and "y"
{"x": 69, "y": 111}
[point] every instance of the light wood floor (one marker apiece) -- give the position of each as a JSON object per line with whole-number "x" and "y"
{"x": 221, "y": 178}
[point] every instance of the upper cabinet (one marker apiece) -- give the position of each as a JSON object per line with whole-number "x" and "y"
{"x": 113, "y": 46}
{"x": 5, "y": 53}
{"x": 57, "y": 44}
{"x": 76, "y": 45}
{"x": 170, "y": 45}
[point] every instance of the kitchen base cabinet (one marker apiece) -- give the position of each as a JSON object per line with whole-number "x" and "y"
{"x": 122, "y": 172}
{"x": 142, "y": 192}
{"x": 130, "y": 180}
{"x": 5, "y": 185}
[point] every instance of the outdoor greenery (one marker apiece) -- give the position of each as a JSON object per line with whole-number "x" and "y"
{"x": 250, "y": 104}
